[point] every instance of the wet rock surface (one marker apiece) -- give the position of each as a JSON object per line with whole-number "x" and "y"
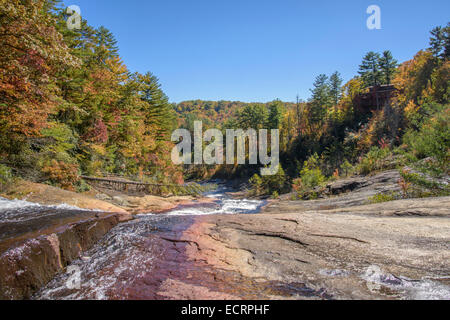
{"x": 307, "y": 255}
{"x": 346, "y": 255}
{"x": 293, "y": 250}
{"x": 162, "y": 258}
{"x": 334, "y": 248}
{"x": 38, "y": 242}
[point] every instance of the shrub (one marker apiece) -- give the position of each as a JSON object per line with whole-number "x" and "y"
{"x": 82, "y": 186}
{"x": 310, "y": 177}
{"x": 297, "y": 186}
{"x": 419, "y": 186}
{"x": 381, "y": 197}
{"x": 62, "y": 174}
{"x": 405, "y": 187}
{"x": 423, "y": 113}
{"x": 376, "y": 159}
{"x": 58, "y": 143}
{"x": 346, "y": 168}
{"x": 276, "y": 182}
{"x": 430, "y": 166}
{"x": 256, "y": 184}
{"x": 267, "y": 185}
{"x": 6, "y": 176}
{"x": 432, "y": 140}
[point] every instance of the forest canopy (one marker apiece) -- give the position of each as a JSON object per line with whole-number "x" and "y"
{"x": 388, "y": 115}
{"x": 69, "y": 105}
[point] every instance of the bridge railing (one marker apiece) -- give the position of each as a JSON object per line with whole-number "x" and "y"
{"x": 136, "y": 187}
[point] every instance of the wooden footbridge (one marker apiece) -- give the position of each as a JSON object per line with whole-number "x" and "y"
{"x": 136, "y": 187}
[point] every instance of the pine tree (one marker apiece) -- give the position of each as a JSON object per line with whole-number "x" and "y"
{"x": 388, "y": 66}
{"x": 320, "y": 99}
{"x": 158, "y": 112}
{"x": 440, "y": 42}
{"x": 335, "y": 87}
{"x": 252, "y": 116}
{"x": 52, "y": 6}
{"x": 275, "y": 115}
{"x": 370, "y": 70}
{"x": 446, "y": 37}
{"x": 437, "y": 41}
{"x": 107, "y": 43}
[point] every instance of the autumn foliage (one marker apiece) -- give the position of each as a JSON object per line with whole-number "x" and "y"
{"x": 62, "y": 174}
{"x": 69, "y": 105}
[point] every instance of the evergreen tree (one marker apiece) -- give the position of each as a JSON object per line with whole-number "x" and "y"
{"x": 158, "y": 112}
{"x": 440, "y": 42}
{"x": 252, "y": 116}
{"x": 447, "y": 41}
{"x": 275, "y": 115}
{"x": 437, "y": 41}
{"x": 320, "y": 99}
{"x": 335, "y": 87}
{"x": 370, "y": 69}
{"x": 388, "y": 66}
{"x": 52, "y": 6}
{"x": 106, "y": 43}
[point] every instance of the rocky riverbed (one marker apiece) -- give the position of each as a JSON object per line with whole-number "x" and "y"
{"x": 38, "y": 242}
{"x": 292, "y": 250}
{"x": 43, "y": 229}
{"x": 339, "y": 247}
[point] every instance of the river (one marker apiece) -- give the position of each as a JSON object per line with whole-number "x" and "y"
{"x": 135, "y": 259}
{"x": 170, "y": 256}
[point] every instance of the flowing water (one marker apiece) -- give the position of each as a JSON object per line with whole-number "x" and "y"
{"x": 21, "y": 219}
{"x": 133, "y": 261}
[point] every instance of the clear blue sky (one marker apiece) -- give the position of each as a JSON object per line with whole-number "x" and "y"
{"x": 257, "y": 50}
